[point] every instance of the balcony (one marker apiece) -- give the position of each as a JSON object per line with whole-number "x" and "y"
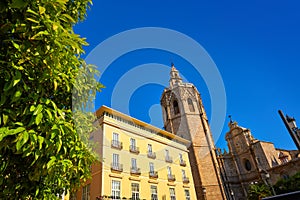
{"x": 185, "y": 180}
{"x": 169, "y": 159}
{"x": 116, "y": 144}
{"x": 151, "y": 155}
{"x": 182, "y": 163}
{"x": 116, "y": 167}
{"x": 171, "y": 177}
{"x": 134, "y": 149}
{"x": 135, "y": 171}
{"x": 153, "y": 174}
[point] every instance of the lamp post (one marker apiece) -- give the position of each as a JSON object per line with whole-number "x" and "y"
{"x": 232, "y": 195}
{"x": 266, "y": 178}
{"x": 204, "y": 193}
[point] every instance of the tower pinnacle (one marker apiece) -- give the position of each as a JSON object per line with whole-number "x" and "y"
{"x": 175, "y": 78}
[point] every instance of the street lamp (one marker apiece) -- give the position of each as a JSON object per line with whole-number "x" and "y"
{"x": 266, "y": 178}
{"x": 232, "y": 194}
{"x": 204, "y": 192}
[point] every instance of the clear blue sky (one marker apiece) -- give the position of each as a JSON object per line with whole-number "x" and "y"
{"x": 254, "y": 44}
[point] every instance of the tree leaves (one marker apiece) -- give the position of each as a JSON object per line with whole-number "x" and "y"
{"x": 18, "y": 4}
{"x": 22, "y": 139}
{"x": 42, "y": 152}
{"x": 38, "y": 118}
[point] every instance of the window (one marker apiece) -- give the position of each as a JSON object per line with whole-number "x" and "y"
{"x": 183, "y": 174}
{"x": 247, "y": 165}
{"x": 149, "y": 148}
{"x": 150, "y": 153}
{"x": 116, "y": 190}
{"x": 135, "y": 191}
{"x": 86, "y": 192}
{"x": 151, "y": 167}
{"x": 115, "y": 137}
{"x": 133, "y": 163}
{"x": 184, "y": 178}
{"x": 152, "y": 173}
{"x": 187, "y": 194}
{"x": 191, "y": 105}
{"x": 180, "y": 157}
{"x": 171, "y": 177}
{"x": 132, "y": 142}
{"x": 115, "y": 141}
{"x": 169, "y": 171}
{"x": 133, "y": 148}
{"x": 115, "y": 163}
{"x": 168, "y": 157}
{"x": 175, "y": 107}
{"x": 181, "y": 161}
{"x": 115, "y": 159}
{"x": 167, "y": 114}
{"x": 172, "y": 194}
{"x": 153, "y": 192}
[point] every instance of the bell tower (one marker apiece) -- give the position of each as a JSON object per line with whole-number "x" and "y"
{"x": 184, "y": 115}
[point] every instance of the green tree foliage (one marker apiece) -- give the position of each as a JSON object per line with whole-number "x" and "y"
{"x": 258, "y": 191}
{"x": 42, "y": 151}
{"x": 290, "y": 184}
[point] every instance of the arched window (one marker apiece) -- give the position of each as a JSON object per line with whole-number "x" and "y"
{"x": 247, "y": 164}
{"x": 167, "y": 114}
{"x": 191, "y": 105}
{"x": 175, "y": 106}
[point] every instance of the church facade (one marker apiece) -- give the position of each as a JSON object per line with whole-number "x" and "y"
{"x": 249, "y": 161}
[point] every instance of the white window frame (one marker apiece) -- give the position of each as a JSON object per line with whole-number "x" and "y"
{"x": 180, "y": 157}
{"x": 115, "y": 190}
{"x": 133, "y": 142}
{"x": 167, "y": 153}
{"x": 153, "y": 191}
{"x": 172, "y": 194}
{"x": 116, "y": 160}
{"x": 169, "y": 171}
{"x": 187, "y": 195}
{"x": 150, "y": 148}
{"x": 183, "y": 173}
{"x": 135, "y": 191}
{"x": 116, "y": 137}
{"x": 133, "y": 163}
{"x": 151, "y": 167}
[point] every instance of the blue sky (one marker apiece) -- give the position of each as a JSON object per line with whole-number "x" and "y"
{"x": 255, "y": 46}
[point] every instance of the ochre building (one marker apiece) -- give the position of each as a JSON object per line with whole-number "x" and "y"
{"x": 139, "y": 161}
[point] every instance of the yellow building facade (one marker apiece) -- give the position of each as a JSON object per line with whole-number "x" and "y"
{"x": 138, "y": 161}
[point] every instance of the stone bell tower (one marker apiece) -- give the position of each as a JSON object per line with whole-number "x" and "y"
{"x": 184, "y": 115}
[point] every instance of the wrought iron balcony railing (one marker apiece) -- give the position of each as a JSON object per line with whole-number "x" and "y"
{"x": 153, "y": 174}
{"x": 117, "y": 167}
{"x": 185, "y": 180}
{"x": 151, "y": 155}
{"x": 171, "y": 177}
{"x": 134, "y": 149}
{"x": 169, "y": 159}
{"x": 182, "y": 163}
{"x": 116, "y": 144}
{"x": 135, "y": 170}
